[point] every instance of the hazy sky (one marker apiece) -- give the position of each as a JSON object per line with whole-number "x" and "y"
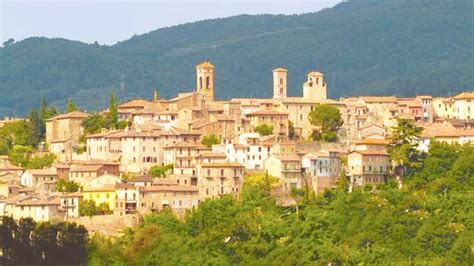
{"x": 110, "y": 21}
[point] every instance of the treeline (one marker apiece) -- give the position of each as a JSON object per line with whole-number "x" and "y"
{"x": 389, "y": 47}
{"x": 429, "y": 221}
{"x": 29, "y": 243}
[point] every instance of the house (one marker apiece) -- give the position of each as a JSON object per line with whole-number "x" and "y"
{"x": 40, "y": 179}
{"x": 219, "y": 178}
{"x": 105, "y": 194}
{"x": 106, "y": 179}
{"x": 177, "y": 197}
{"x": 6, "y": 167}
{"x": 141, "y": 180}
{"x": 63, "y": 133}
{"x": 126, "y": 198}
{"x": 39, "y": 208}
{"x": 83, "y": 172}
{"x": 287, "y": 168}
{"x": 368, "y": 167}
{"x": 464, "y": 105}
{"x": 69, "y": 204}
{"x": 323, "y": 168}
{"x": 275, "y": 119}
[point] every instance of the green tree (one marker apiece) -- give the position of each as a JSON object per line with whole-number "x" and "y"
{"x": 103, "y": 209}
{"x": 161, "y": 170}
{"x": 291, "y": 131}
{"x": 403, "y": 142}
{"x": 264, "y": 129}
{"x": 87, "y": 208}
{"x": 20, "y": 155}
{"x": 112, "y": 116}
{"x": 36, "y": 125}
{"x": 328, "y": 120}
{"x": 210, "y": 140}
{"x": 93, "y": 124}
{"x": 71, "y": 106}
{"x": 342, "y": 183}
{"x": 67, "y": 186}
{"x": 40, "y": 162}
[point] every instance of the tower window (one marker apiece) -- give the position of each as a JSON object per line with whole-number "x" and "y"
{"x": 317, "y": 80}
{"x": 281, "y": 81}
{"x": 281, "y": 90}
{"x": 207, "y": 82}
{"x": 200, "y": 82}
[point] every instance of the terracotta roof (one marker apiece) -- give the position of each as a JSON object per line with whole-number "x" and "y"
{"x": 465, "y": 95}
{"x": 124, "y": 186}
{"x": 105, "y": 134}
{"x": 287, "y": 157}
{"x": 86, "y": 168}
{"x": 373, "y": 142}
{"x": 372, "y": 152}
{"x": 141, "y": 178}
{"x": 71, "y": 195}
{"x": 267, "y": 112}
{"x": 205, "y": 64}
{"x": 176, "y": 188}
{"x": 315, "y": 73}
{"x": 280, "y": 69}
{"x": 105, "y": 188}
{"x": 75, "y": 114}
{"x": 225, "y": 164}
{"x": 38, "y": 201}
{"x": 7, "y": 166}
{"x": 378, "y": 99}
{"x": 212, "y": 154}
{"x": 42, "y": 172}
{"x": 135, "y": 104}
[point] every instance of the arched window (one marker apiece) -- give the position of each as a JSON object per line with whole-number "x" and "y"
{"x": 317, "y": 80}
{"x": 281, "y": 81}
{"x": 200, "y": 82}
{"x": 281, "y": 90}
{"x": 207, "y": 82}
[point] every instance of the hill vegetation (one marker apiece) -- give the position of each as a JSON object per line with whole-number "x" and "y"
{"x": 363, "y": 46}
{"x": 428, "y": 222}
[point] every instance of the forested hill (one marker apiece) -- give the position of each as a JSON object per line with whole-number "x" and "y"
{"x": 382, "y": 47}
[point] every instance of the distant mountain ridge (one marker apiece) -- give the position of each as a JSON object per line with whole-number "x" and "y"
{"x": 380, "y": 47}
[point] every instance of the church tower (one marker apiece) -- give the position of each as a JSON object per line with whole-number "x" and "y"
{"x": 205, "y": 80}
{"x": 315, "y": 88}
{"x": 280, "y": 83}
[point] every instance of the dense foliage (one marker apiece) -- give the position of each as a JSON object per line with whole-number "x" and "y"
{"x": 264, "y": 129}
{"x": 210, "y": 140}
{"x": 328, "y": 120}
{"x": 29, "y": 243}
{"x": 66, "y": 186}
{"x": 161, "y": 170}
{"x": 362, "y": 46}
{"x": 429, "y": 222}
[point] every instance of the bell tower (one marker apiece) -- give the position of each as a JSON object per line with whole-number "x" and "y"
{"x": 280, "y": 83}
{"x": 205, "y": 80}
{"x": 315, "y": 88}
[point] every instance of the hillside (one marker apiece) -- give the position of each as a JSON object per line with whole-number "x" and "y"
{"x": 363, "y": 46}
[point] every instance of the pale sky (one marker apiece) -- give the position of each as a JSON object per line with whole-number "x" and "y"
{"x": 108, "y": 21}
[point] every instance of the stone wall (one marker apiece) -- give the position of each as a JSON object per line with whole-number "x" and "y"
{"x": 110, "y": 225}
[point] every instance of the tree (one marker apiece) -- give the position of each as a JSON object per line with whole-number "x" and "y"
{"x": 264, "y": 129}
{"x": 291, "y": 131}
{"x": 8, "y": 42}
{"x": 71, "y": 106}
{"x": 20, "y": 155}
{"x": 112, "y": 116}
{"x": 161, "y": 170}
{"x": 36, "y": 125}
{"x": 210, "y": 140}
{"x": 103, "y": 209}
{"x": 93, "y": 124}
{"x": 87, "y": 208}
{"x": 403, "y": 142}
{"x": 342, "y": 183}
{"x": 40, "y": 162}
{"x": 67, "y": 186}
{"x": 328, "y": 120}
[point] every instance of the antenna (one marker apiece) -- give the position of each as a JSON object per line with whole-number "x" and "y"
{"x": 122, "y": 84}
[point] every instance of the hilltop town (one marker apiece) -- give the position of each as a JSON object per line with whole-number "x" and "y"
{"x": 176, "y": 153}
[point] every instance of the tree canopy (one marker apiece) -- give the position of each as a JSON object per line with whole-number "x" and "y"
{"x": 328, "y": 120}
{"x": 210, "y": 140}
{"x": 264, "y": 129}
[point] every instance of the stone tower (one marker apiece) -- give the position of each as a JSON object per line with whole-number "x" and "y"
{"x": 280, "y": 83}
{"x": 315, "y": 88}
{"x": 205, "y": 80}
